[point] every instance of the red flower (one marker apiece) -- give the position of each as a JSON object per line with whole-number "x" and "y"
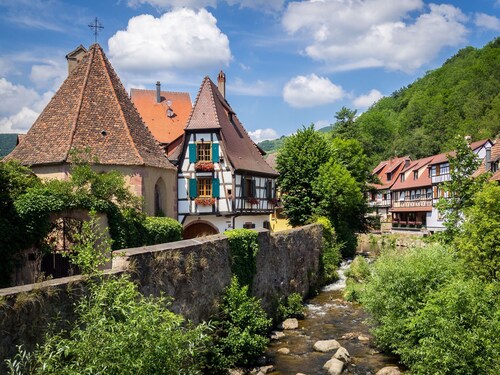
{"x": 204, "y": 201}
{"x": 204, "y": 166}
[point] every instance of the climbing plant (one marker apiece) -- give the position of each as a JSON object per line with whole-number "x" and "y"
{"x": 244, "y": 249}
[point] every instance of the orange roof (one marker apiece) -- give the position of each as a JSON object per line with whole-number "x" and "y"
{"x": 165, "y": 128}
{"x": 495, "y": 156}
{"x": 423, "y": 179}
{"x": 91, "y": 108}
{"x": 443, "y": 157}
{"x": 393, "y": 166}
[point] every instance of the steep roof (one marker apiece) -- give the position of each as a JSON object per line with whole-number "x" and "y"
{"x": 164, "y": 128}
{"x": 393, "y": 166}
{"x": 423, "y": 180}
{"x": 443, "y": 157}
{"x": 212, "y": 112}
{"x": 495, "y": 156}
{"x": 91, "y": 109}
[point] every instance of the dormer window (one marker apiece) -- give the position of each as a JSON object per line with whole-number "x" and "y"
{"x": 402, "y": 177}
{"x": 415, "y": 175}
{"x": 389, "y": 176}
{"x": 204, "y": 152}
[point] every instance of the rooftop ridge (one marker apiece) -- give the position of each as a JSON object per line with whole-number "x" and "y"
{"x": 154, "y": 91}
{"x": 210, "y": 86}
{"x": 196, "y": 101}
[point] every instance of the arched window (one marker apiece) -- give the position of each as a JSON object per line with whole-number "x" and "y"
{"x": 160, "y": 198}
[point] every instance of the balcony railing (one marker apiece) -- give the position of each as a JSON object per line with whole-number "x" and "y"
{"x": 441, "y": 178}
{"x": 380, "y": 203}
{"x": 413, "y": 203}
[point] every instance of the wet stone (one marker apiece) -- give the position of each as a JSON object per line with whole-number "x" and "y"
{"x": 291, "y": 323}
{"x": 343, "y": 355}
{"x": 276, "y": 335}
{"x": 326, "y": 345}
{"x": 284, "y": 351}
{"x": 334, "y": 366}
{"x": 389, "y": 370}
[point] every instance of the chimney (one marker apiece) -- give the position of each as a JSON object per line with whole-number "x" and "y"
{"x": 221, "y": 83}
{"x": 487, "y": 159}
{"x": 158, "y": 92}
{"x": 74, "y": 57}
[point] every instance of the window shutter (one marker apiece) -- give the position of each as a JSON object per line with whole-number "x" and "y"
{"x": 243, "y": 187}
{"x": 254, "y": 190}
{"x": 192, "y": 153}
{"x": 215, "y": 188}
{"x": 193, "y": 188}
{"x": 215, "y": 152}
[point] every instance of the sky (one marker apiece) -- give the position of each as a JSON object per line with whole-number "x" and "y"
{"x": 288, "y": 64}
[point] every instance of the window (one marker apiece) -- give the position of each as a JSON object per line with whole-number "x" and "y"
{"x": 389, "y": 176}
{"x": 435, "y": 192}
{"x": 412, "y": 195}
{"x": 402, "y": 177}
{"x": 402, "y": 196}
{"x": 415, "y": 175}
{"x": 269, "y": 189}
{"x": 494, "y": 166}
{"x": 248, "y": 187}
{"x": 417, "y": 194}
{"x": 438, "y": 170}
{"x": 204, "y": 187}
{"x": 429, "y": 193}
{"x": 204, "y": 151}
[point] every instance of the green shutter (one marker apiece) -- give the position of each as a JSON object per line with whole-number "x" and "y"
{"x": 192, "y": 153}
{"x": 215, "y": 188}
{"x": 193, "y": 188}
{"x": 215, "y": 152}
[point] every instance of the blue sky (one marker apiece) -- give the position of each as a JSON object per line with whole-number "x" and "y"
{"x": 288, "y": 63}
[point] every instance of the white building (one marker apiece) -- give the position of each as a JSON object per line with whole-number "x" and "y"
{"x": 223, "y": 180}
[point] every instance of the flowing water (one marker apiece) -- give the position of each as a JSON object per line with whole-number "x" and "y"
{"x": 329, "y": 316}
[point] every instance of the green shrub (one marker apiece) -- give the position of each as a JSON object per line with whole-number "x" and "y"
{"x": 456, "y": 331}
{"x": 292, "y": 307}
{"x": 244, "y": 327}
{"x": 399, "y": 286}
{"x": 357, "y": 275}
{"x": 330, "y": 251}
{"x": 244, "y": 249}
{"x": 162, "y": 230}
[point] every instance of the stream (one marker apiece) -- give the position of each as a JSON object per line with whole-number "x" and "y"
{"x": 329, "y": 316}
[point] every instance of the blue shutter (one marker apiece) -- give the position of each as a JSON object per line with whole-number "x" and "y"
{"x": 192, "y": 153}
{"x": 215, "y": 152}
{"x": 215, "y": 188}
{"x": 193, "y": 188}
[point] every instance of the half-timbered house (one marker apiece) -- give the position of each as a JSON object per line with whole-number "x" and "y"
{"x": 223, "y": 181}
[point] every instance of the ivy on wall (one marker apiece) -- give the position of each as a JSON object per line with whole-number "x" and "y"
{"x": 244, "y": 249}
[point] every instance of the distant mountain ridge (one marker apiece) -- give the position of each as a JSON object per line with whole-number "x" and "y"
{"x": 7, "y": 143}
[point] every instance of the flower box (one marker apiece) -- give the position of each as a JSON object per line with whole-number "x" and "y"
{"x": 204, "y": 201}
{"x": 252, "y": 201}
{"x": 204, "y": 166}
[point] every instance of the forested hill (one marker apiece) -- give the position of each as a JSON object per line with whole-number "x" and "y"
{"x": 460, "y": 98}
{"x": 7, "y": 143}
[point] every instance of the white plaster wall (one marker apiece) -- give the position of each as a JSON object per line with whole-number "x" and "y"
{"x": 433, "y": 222}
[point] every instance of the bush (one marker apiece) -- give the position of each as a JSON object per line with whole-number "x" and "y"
{"x": 244, "y": 326}
{"x": 244, "y": 248}
{"x": 162, "y": 230}
{"x": 456, "y": 331}
{"x": 330, "y": 252}
{"x": 357, "y": 275}
{"x": 292, "y": 307}
{"x": 398, "y": 287}
{"x": 118, "y": 331}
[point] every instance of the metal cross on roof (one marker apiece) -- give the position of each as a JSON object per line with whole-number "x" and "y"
{"x": 96, "y": 26}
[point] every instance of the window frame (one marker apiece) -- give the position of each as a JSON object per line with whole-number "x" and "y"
{"x": 204, "y": 186}
{"x": 202, "y": 149}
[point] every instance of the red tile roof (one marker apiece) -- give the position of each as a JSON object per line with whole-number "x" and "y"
{"x": 495, "y": 155}
{"x": 393, "y": 166}
{"x": 443, "y": 157}
{"x": 211, "y": 111}
{"x": 423, "y": 180}
{"x": 164, "y": 128}
{"x": 91, "y": 109}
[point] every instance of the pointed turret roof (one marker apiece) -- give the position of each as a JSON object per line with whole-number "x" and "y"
{"x": 91, "y": 109}
{"x": 211, "y": 111}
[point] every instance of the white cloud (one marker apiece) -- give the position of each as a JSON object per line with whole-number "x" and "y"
{"x": 19, "y": 107}
{"x": 260, "y": 135}
{"x": 310, "y": 91}
{"x": 262, "y": 5}
{"x": 258, "y": 88}
{"x": 182, "y": 39}
{"x": 486, "y": 21}
{"x": 365, "y": 101}
{"x": 377, "y": 33}
{"x": 321, "y": 124}
{"x": 50, "y": 74}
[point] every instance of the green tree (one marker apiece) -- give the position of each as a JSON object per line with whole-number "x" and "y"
{"x": 479, "y": 241}
{"x": 460, "y": 188}
{"x": 341, "y": 200}
{"x": 350, "y": 154}
{"x": 345, "y": 126}
{"x": 298, "y": 163}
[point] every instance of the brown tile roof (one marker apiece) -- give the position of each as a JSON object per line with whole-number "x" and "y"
{"x": 91, "y": 109}
{"x": 423, "y": 180}
{"x": 495, "y": 155}
{"x": 393, "y": 166}
{"x": 443, "y": 157}
{"x": 272, "y": 160}
{"x": 164, "y": 128}
{"x": 212, "y": 112}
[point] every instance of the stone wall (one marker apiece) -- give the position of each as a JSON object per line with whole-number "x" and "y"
{"x": 193, "y": 272}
